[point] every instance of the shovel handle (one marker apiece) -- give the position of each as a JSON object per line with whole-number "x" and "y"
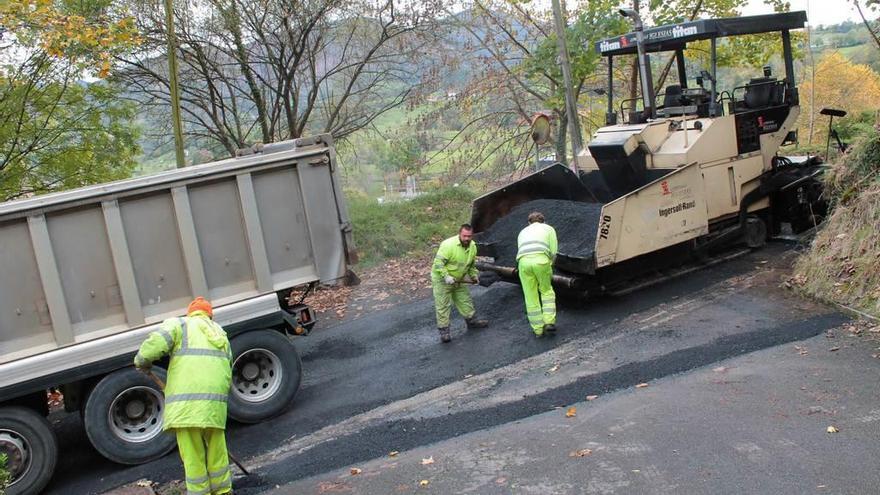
{"x": 158, "y": 381}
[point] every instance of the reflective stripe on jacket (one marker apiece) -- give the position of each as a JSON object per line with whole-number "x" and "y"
{"x": 537, "y": 238}
{"x": 200, "y": 372}
{"x": 454, "y": 259}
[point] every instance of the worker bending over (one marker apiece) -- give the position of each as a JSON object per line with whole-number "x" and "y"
{"x": 536, "y": 250}
{"x": 199, "y": 377}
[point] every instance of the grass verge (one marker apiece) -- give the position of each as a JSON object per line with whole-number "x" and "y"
{"x": 401, "y": 228}
{"x": 842, "y": 264}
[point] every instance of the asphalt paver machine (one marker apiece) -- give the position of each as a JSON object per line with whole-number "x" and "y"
{"x": 679, "y": 176}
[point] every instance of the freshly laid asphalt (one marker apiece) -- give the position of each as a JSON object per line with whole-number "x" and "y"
{"x": 394, "y": 355}
{"x": 757, "y": 423}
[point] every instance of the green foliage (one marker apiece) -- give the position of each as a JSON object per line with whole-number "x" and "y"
{"x": 5, "y": 476}
{"x": 598, "y": 20}
{"x": 841, "y": 264}
{"x": 388, "y": 230}
{"x": 56, "y": 130}
{"x": 855, "y": 125}
{"x": 58, "y": 134}
{"x": 859, "y": 170}
{"x": 400, "y": 153}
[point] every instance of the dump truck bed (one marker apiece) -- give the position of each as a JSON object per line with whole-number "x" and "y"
{"x": 92, "y": 263}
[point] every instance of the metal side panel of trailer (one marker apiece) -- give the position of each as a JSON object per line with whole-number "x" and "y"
{"x": 87, "y": 264}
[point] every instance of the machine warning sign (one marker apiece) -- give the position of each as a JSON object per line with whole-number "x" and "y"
{"x": 665, "y": 212}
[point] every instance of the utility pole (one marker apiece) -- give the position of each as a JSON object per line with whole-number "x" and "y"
{"x": 175, "y": 90}
{"x": 570, "y": 104}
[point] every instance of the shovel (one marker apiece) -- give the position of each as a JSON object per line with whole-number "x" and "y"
{"x": 161, "y": 385}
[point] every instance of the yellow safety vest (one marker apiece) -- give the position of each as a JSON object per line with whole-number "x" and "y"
{"x": 537, "y": 238}
{"x": 200, "y": 372}
{"x": 454, "y": 259}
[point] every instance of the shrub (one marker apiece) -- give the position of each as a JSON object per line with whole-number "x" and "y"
{"x": 416, "y": 226}
{"x": 5, "y": 476}
{"x": 842, "y": 263}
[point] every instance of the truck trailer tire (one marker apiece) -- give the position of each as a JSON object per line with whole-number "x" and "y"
{"x": 29, "y": 443}
{"x": 123, "y": 417}
{"x": 266, "y": 372}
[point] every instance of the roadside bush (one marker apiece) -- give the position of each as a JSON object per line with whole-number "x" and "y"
{"x": 5, "y": 477}
{"x": 843, "y": 262}
{"x": 399, "y": 228}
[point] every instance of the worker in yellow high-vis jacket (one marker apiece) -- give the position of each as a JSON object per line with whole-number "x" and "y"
{"x": 199, "y": 377}
{"x": 536, "y": 250}
{"x": 452, "y": 268}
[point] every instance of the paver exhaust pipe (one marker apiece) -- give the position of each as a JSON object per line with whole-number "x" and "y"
{"x": 644, "y": 64}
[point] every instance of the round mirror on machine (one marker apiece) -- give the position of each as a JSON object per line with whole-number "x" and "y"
{"x": 541, "y": 127}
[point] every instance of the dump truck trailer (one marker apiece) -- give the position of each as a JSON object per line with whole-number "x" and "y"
{"x": 87, "y": 274}
{"x": 684, "y": 176}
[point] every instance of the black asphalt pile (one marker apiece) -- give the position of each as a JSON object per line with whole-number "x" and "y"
{"x": 576, "y": 225}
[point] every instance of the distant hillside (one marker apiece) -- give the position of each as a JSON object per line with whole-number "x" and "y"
{"x": 851, "y": 39}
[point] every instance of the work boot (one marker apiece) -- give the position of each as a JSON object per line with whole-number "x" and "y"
{"x": 550, "y": 328}
{"x": 474, "y": 322}
{"x": 539, "y": 334}
{"x": 445, "y": 336}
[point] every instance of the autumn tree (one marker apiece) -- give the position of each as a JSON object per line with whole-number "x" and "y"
{"x": 839, "y": 83}
{"x": 56, "y": 130}
{"x": 272, "y": 70}
{"x": 505, "y": 52}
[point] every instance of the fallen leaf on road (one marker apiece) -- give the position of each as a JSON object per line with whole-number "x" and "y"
{"x": 581, "y": 453}
{"x": 592, "y": 397}
{"x": 424, "y": 483}
{"x": 331, "y": 487}
{"x": 144, "y": 483}
{"x": 553, "y": 369}
{"x": 642, "y": 385}
{"x": 832, "y": 429}
{"x": 835, "y": 348}
{"x": 429, "y": 460}
{"x": 572, "y": 412}
{"x": 393, "y": 453}
{"x": 356, "y": 470}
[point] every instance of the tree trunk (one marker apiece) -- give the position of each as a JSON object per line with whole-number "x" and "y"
{"x": 561, "y": 135}
{"x": 241, "y": 53}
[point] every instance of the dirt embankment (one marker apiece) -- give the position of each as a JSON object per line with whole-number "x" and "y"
{"x": 842, "y": 264}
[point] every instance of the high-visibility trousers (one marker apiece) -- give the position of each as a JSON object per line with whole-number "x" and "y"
{"x": 535, "y": 273}
{"x": 445, "y": 296}
{"x": 205, "y": 460}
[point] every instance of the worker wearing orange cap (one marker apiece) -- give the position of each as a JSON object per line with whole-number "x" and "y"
{"x": 199, "y": 377}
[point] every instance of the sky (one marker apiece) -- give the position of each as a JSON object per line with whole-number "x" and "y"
{"x": 819, "y": 12}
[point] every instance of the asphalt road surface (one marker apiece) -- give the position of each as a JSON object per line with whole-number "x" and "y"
{"x": 384, "y": 382}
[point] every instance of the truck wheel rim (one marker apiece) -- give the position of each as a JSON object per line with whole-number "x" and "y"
{"x": 256, "y": 375}
{"x": 136, "y": 414}
{"x": 18, "y": 454}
